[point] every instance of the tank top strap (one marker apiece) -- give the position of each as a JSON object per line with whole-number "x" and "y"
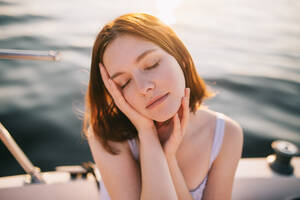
{"x": 218, "y": 137}
{"x": 134, "y": 148}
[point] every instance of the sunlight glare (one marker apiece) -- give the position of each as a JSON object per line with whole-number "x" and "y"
{"x": 166, "y": 10}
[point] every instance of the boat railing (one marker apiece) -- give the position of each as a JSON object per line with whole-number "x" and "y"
{"x": 19, "y": 155}
{"x": 6, "y": 138}
{"x": 30, "y": 55}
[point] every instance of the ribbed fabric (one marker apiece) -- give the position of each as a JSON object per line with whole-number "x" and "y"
{"x": 198, "y": 191}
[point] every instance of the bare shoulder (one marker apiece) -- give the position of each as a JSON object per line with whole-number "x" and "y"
{"x": 233, "y": 139}
{"x": 117, "y": 171}
{"x": 233, "y": 130}
{"x": 221, "y": 175}
{"x": 233, "y": 136}
{"x": 123, "y": 147}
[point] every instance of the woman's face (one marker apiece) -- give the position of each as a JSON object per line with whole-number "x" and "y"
{"x": 144, "y": 72}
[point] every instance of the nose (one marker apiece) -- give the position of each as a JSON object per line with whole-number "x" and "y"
{"x": 144, "y": 84}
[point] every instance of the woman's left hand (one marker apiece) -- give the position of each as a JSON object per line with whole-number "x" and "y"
{"x": 179, "y": 128}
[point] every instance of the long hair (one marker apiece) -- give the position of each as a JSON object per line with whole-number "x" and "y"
{"x": 101, "y": 115}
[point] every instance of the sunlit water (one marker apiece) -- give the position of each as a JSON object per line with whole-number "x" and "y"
{"x": 248, "y": 51}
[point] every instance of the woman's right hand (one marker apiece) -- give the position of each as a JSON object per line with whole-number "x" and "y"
{"x": 140, "y": 122}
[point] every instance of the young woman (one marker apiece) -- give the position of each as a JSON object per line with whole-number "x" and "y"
{"x": 149, "y": 134}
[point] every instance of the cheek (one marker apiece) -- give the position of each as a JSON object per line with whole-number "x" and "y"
{"x": 173, "y": 76}
{"x": 134, "y": 101}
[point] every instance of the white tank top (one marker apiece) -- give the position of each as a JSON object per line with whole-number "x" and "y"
{"x": 198, "y": 191}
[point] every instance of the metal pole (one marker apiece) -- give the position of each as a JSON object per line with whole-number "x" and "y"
{"x": 29, "y": 55}
{"x": 19, "y": 155}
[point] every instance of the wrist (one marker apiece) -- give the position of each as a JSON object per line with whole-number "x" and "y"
{"x": 147, "y": 131}
{"x": 147, "y": 135}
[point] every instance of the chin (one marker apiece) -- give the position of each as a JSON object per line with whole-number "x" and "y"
{"x": 166, "y": 114}
{"x": 162, "y": 119}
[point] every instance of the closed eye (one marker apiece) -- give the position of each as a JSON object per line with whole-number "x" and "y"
{"x": 122, "y": 87}
{"x": 153, "y": 66}
{"x": 148, "y": 68}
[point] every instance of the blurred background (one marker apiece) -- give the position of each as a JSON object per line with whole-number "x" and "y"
{"x": 247, "y": 51}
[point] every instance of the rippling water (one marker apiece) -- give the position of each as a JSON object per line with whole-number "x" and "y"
{"x": 248, "y": 51}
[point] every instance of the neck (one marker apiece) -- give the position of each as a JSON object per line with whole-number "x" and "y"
{"x": 164, "y": 130}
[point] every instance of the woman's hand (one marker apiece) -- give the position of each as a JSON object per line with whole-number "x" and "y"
{"x": 140, "y": 122}
{"x": 179, "y": 128}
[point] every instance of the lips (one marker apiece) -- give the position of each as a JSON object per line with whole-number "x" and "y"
{"x": 156, "y": 99}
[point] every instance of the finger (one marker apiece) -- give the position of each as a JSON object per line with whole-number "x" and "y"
{"x": 186, "y": 110}
{"x": 118, "y": 98}
{"x": 109, "y": 83}
{"x": 121, "y": 102}
{"x": 115, "y": 92}
{"x": 187, "y": 97}
{"x": 177, "y": 126}
{"x": 187, "y": 92}
{"x": 104, "y": 76}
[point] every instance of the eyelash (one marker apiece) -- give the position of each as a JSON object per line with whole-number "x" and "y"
{"x": 148, "y": 68}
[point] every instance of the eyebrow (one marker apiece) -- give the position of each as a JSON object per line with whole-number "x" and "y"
{"x": 138, "y": 59}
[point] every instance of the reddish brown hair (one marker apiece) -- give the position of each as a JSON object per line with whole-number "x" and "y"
{"x": 104, "y": 118}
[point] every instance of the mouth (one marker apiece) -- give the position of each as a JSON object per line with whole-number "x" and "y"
{"x": 158, "y": 101}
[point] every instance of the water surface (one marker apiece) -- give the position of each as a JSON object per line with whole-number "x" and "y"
{"x": 248, "y": 51}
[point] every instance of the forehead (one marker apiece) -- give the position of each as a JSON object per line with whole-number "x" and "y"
{"x": 121, "y": 53}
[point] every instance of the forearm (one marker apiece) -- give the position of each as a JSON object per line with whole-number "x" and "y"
{"x": 182, "y": 190}
{"x": 156, "y": 178}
